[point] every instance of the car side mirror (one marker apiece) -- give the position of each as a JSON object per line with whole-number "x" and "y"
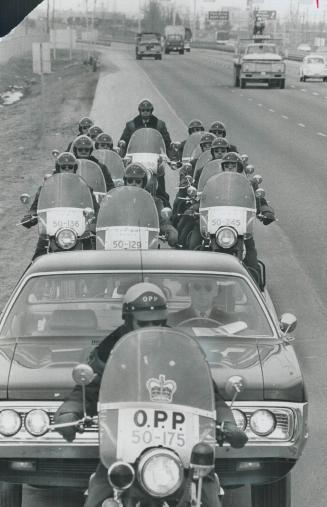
{"x": 287, "y": 322}
{"x": 25, "y": 199}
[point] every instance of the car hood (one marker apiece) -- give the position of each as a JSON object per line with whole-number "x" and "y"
{"x": 42, "y": 370}
{"x": 269, "y": 368}
{"x": 262, "y": 56}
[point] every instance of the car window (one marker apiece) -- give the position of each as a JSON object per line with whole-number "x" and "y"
{"x": 315, "y": 60}
{"x": 261, "y": 48}
{"x": 90, "y": 304}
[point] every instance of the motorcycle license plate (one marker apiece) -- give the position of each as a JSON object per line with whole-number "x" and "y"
{"x": 126, "y": 238}
{"x": 58, "y": 218}
{"x": 232, "y": 216}
{"x": 142, "y": 428}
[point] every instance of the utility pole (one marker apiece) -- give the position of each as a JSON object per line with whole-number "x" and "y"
{"x": 48, "y": 16}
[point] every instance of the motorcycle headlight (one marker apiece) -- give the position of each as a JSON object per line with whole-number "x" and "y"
{"x": 160, "y": 472}
{"x": 226, "y": 237}
{"x": 10, "y": 422}
{"x": 37, "y": 422}
{"x": 66, "y": 239}
{"x": 262, "y": 422}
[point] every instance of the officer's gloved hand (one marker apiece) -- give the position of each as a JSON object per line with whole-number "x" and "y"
{"x": 233, "y": 435}
{"x": 29, "y": 220}
{"x": 268, "y": 217}
{"x": 69, "y": 433}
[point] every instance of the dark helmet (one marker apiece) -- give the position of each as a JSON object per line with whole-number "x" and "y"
{"x": 207, "y": 139}
{"x": 104, "y": 139}
{"x": 232, "y": 157}
{"x": 219, "y": 142}
{"x": 84, "y": 124}
{"x": 136, "y": 171}
{"x": 218, "y": 128}
{"x": 195, "y": 126}
{"x": 145, "y": 104}
{"x": 94, "y": 131}
{"x": 146, "y": 302}
{"x": 66, "y": 159}
{"x": 82, "y": 142}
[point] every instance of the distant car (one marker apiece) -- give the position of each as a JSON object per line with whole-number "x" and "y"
{"x": 304, "y": 47}
{"x": 148, "y": 44}
{"x": 314, "y": 66}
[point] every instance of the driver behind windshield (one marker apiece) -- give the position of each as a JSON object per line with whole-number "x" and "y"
{"x": 144, "y": 304}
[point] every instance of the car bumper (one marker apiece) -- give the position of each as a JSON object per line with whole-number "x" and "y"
{"x": 262, "y": 78}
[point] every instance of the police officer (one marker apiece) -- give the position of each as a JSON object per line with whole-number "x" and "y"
{"x": 103, "y": 142}
{"x": 94, "y": 131}
{"x": 83, "y": 127}
{"x": 219, "y": 147}
{"x": 136, "y": 175}
{"x": 82, "y": 148}
{"x": 218, "y": 128}
{"x": 144, "y": 304}
{"x": 194, "y": 126}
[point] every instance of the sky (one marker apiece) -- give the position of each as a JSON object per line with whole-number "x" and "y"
{"x": 132, "y": 6}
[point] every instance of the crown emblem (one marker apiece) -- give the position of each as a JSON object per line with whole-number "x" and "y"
{"x": 161, "y": 389}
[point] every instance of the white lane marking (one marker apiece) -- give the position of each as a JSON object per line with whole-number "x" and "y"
{"x": 303, "y": 90}
{"x": 301, "y": 125}
{"x": 250, "y": 99}
{"x": 242, "y": 94}
{"x": 315, "y": 93}
{"x": 285, "y": 117}
{"x": 292, "y": 86}
{"x": 321, "y": 134}
{"x": 272, "y": 110}
{"x": 260, "y": 105}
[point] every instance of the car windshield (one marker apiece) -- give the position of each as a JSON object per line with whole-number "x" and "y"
{"x": 261, "y": 48}
{"x": 149, "y": 38}
{"x": 315, "y": 60}
{"x": 89, "y": 304}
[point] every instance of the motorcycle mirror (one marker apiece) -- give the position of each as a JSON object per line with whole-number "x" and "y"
{"x": 192, "y": 192}
{"x": 287, "y": 322}
{"x": 88, "y": 213}
{"x": 234, "y": 385}
{"x": 55, "y": 153}
{"x": 121, "y": 143}
{"x": 260, "y": 193}
{"x": 249, "y": 169}
{"x": 244, "y": 158}
{"x": 127, "y": 160}
{"x": 166, "y": 214}
{"x": 188, "y": 167}
{"x": 25, "y": 199}
{"x": 83, "y": 374}
{"x": 258, "y": 178}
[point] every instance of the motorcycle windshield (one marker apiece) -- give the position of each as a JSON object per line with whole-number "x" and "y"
{"x": 93, "y": 176}
{"x": 127, "y": 220}
{"x": 211, "y": 169}
{"x": 203, "y": 159}
{"x": 61, "y": 203}
{"x": 114, "y": 163}
{"x": 191, "y": 142}
{"x": 146, "y": 140}
{"x": 228, "y": 200}
{"x": 148, "y": 398}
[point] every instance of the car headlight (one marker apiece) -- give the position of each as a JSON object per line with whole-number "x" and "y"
{"x": 37, "y": 422}
{"x": 10, "y": 422}
{"x": 226, "y": 237}
{"x": 262, "y": 422}
{"x": 160, "y": 472}
{"x": 66, "y": 238}
{"x": 240, "y": 419}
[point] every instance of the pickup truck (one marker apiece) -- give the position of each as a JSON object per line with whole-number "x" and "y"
{"x": 259, "y": 60}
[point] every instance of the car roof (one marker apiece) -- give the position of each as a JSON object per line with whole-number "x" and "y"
{"x": 122, "y": 260}
{"x": 314, "y": 55}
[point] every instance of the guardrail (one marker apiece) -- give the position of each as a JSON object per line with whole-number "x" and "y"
{"x": 292, "y": 55}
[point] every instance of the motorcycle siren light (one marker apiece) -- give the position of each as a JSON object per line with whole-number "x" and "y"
{"x": 226, "y": 237}
{"x": 66, "y": 238}
{"x": 202, "y": 459}
{"x": 218, "y": 128}
{"x": 94, "y": 131}
{"x": 25, "y": 199}
{"x": 103, "y": 138}
{"x": 160, "y": 472}
{"x": 121, "y": 475}
{"x": 145, "y": 104}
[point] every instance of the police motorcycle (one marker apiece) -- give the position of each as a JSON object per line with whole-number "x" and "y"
{"x": 93, "y": 176}
{"x": 114, "y": 162}
{"x": 157, "y": 423}
{"x": 192, "y": 143}
{"x": 65, "y": 212}
{"x": 133, "y": 226}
